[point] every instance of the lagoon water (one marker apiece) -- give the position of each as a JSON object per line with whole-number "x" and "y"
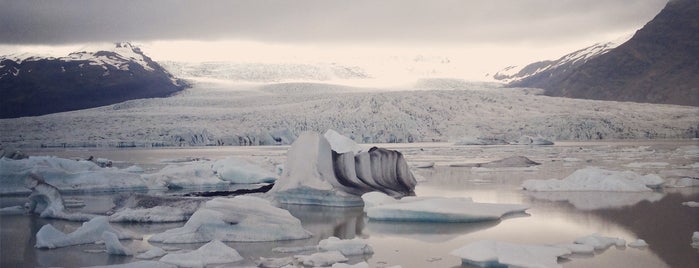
{"x": 657, "y": 217}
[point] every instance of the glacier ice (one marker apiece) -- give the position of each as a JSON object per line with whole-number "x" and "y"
{"x": 347, "y": 247}
{"x": 47, "y": 201}
{"x": 693, "y": 204}
{"x": 597, "y": 179}
{"x": 152, "y": 208}
{"x": 214, "y": 252}
{"x": 114, "y": 247}
{"x": 438, "y": 209}
{"x": 695, "y": 239}
{"x": 90, "y": 232}
{"x": 488, "y": 253}
{"x": 341, "y": 144}
{"x": 242, "y": 218}
{"x": 315, "y": 174}
{"x": 192, "y": 175}
{"x": 236, "y": 170}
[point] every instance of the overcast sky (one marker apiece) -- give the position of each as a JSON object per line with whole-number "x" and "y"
{"x": 549, "y": 26}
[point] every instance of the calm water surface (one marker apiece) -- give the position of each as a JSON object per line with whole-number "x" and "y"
{"x": 657, "y": 217}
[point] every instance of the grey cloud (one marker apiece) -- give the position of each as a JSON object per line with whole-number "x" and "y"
{"x": 75, "y": 21}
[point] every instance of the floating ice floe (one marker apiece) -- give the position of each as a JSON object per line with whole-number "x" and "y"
{"x": 138, "y": 264}
{"x": 577, "y": 248}
{"x": 242, "y": 218}
{"x": 593, "y": 200}
{"x": 214, "y": 252}
{"x": 347, "y": 247}
{"x": 321, "y": 258}
{"x": 692, "y": 204}
{"x": 191, "y": 175}
{"x": 90, "y": 232}
{"x": 114, "y": 247}
{"x": 639, "y": 243}
{"x": 600, "y": 242}
{"x": 66, "y": 175}
{"x": 695, "y": 239}
{"x": 315, "y": 174}
{"x": 596, "y": 179}
{"x": 236, "y": 170}
{"x": 487, "y": 253}
{"x": 435, "y": 209}
{"x": 152, "y": 253}
{"x": 147, "y": 208}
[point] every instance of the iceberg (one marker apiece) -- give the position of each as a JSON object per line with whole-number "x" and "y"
{"x": 114, "y": 247}
{"x": 214, "y": 252}
{"x": 274, "y": 262}
{"x": 691, "y": 204}
{"x": 347, "y": 247}
{"x": 321, "y": 258}
{"x": 487, "y": 253}
{"x": 236, "y": 170}
{"x": 639, "y": 243}
{"x": 439, "y": 209}
{"x": 90, "y": 232}
{"x": 596, "y": 179}
{"x": 341, "y": 144}
{"x": 695, "y": 239}
{"x": 600, "y": 242}
{"x": 315, "y": 174}
{"x": 242, "y": 219}
{"x": 66, "y": 175}
{"x": 149, "y": 208}
{"x": 191, "y": 175}
{"x": 47, "y": 201}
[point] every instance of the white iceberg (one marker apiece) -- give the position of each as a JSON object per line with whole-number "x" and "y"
{"x": 90, "y": 232}
{"x": 487, "y": 253}
{"x": 242, "y": 218}
{"x": 321, "y": 258}
{"x": 347, "y": 247}
{"x": 692, "y": 204}
{"x": 66, "y": 175}
{"x": 596, "y": 179}
{"x": 152, "y": 253}
{"x": 440, "y": 209}
{"x": 695, "y": 239}
{"x": 114, "y": 247}
{"x": 152, "y": 208}
{"x": 315, "y": 174}
{"x": 236, "y": 170}
{"x": 214, "y": 252}
{"x": 600, "y": 242}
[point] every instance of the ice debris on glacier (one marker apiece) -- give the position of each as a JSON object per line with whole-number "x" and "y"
{"x": 316, "y": 174}
{"x": 597, "y": 179}
{"x": 242, "y": 218}
{"x": 488, "y": 253}
{"x": 214, "y": 252}
{"x": 435, "y": 209}
{"x": 114, "y": 247}
{"x": 90, "y": 232}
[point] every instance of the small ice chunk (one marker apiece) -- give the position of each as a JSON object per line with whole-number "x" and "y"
{"x": 692, "y": 204}
{"x": 640, "y": 243}
{"x": 114, "y": 247}
{"x": 274, "y": 262}
{"x": 214, "y": 252}
{"x": 488, "y": 253}
{"x": 152, "y": 253}
{"x": 321, "y": 258}
{"x": 596, "y": 179}
{"x": 440, "y": 209}
{"x": 90, "y": 232}
{"x": 600, "y": 242}
{"x": 347, "y": 247}
{"x": 236, "y": 170}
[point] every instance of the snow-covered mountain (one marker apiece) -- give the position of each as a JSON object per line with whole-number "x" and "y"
{"x": 32, "y": 84}
{"x": 533, "y": 72}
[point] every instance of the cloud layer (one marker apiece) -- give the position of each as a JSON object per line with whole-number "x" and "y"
{"x": 443, "y": 21}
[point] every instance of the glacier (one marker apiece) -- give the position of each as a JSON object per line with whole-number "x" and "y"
{"x": 242, "y": 219}
{"x": 316, "y": 174}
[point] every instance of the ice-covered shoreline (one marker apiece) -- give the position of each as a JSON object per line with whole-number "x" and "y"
{"x": 214, "y": 115}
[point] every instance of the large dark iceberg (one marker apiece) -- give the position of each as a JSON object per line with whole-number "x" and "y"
{"x": 330, "y": 170}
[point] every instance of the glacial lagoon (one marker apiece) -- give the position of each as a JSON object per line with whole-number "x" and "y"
{"x": 658, "y": 216}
